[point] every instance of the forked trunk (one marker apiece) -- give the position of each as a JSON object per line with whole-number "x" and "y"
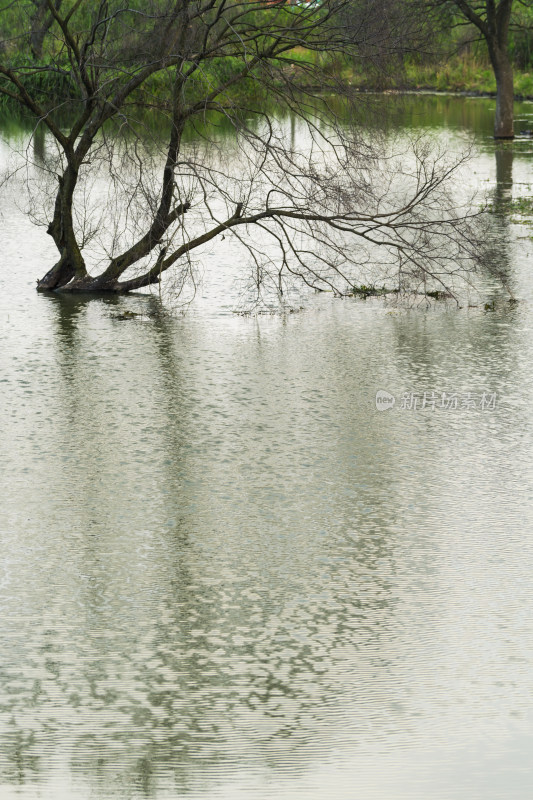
{"x": 69, "y": 274}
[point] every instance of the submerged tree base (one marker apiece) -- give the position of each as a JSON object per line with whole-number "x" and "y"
{"x": 62, "y": 278}
{"x": 85, "y": 285}
{"x": 67, "y": 283}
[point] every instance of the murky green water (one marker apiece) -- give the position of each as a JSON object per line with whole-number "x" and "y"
{"x": 225, "y": 574}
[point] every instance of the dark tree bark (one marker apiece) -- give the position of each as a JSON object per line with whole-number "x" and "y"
{"x": 498, "y": 21}
{"x": 504, "y": 118}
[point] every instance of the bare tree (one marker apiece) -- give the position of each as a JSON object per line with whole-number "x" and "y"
{"x": 388, "y": 31}
{"x": 143, "y": 77}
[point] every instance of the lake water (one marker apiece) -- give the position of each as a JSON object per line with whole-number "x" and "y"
{"x": 225, "y": 574}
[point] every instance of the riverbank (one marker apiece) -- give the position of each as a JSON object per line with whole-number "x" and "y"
{"x": 465, "y": 76}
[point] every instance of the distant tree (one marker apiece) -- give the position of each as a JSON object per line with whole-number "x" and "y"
{"x": 492, "y": 18}
{"x": 136, "y": 96}
{"x": 41, "y": 20}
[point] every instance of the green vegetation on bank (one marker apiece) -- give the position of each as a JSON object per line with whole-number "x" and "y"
{"x": 458, "y": 63}
{"x": 462, "y": 74}
{"x": 48, "y": 86}
{"x": 457, "y": 74}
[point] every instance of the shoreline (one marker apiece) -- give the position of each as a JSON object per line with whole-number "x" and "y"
{"x": 431, "y": 90}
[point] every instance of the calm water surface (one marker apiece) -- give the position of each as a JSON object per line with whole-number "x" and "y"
{"x": 225, "y": 574}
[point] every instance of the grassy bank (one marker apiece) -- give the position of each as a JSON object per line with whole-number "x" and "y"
{"x": 467, "y": 73}
{"x": 463, "y": 75}
{"x": 457, "y": 74}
